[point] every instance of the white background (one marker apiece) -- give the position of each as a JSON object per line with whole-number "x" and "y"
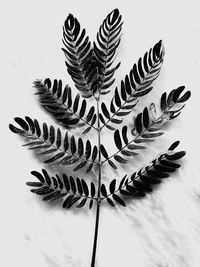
{"x": 162, "y": 230}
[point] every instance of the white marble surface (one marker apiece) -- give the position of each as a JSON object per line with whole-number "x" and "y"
{"x": 162, "y": 230}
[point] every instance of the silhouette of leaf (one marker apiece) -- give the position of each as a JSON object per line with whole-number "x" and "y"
{"x": 119, "y": 200}
{"x": 103, "y": 151}
{"x": 117, "y": 139}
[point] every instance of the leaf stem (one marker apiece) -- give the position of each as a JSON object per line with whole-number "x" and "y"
{"x": 99, "y": 189}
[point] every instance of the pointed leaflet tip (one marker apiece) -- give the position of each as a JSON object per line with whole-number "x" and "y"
{"x": 158, "y": 48}
{"x": 22, "y": 123}
{"x": 13, "y": 128}
{"x": 114, "y": 15}
{"x": 69, "y": 22}
{"x": 175, "y": 156}
{"x": 174, "y": 145}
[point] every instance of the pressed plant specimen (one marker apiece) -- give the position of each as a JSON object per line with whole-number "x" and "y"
{"x": 91, "y": 69}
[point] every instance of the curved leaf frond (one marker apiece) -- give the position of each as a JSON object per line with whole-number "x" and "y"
{"x": 58, "y": 101}
{"x": 75, "y": 191}
{"x": 108, "y": 39}
{"x": 147, "y": 125}
{"x": 80, "y": 62}
{"x": 145, "y": 180}
{"x": 49, "y": 141}
{"x": 136, "y": 84}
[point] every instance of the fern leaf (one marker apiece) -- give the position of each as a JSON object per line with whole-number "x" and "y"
{"x": 108, "y": 39}
{"x": 146, "y": 126}
{"x": 50, "y": 142}
{"x": 145, "y": 180}
{"x": 59, "y": 103}
{"x": 137, "y": 83}
{"x": 54, "y": 188}
{"x": 79, "y": 54}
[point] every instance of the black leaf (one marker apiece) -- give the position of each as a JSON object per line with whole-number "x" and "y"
{"x": 52, "y": 150}
{"x": 52, "y": 195}
{"x": 175, "y": 156}
{"x": 79, "y": 186}
{"x": 117, "y": 139}
{"x": 142, "y": 187}
{"x": 83, "y": 108}
{"x": 72, "y": 184}
{"x": 66, "y": 142}
{"x": 76, "y": 103}
{"x": 111, "y": 163}
{"x": 170, "y": 97}
{"x": 81, "y": 165}
{"x": 142, "y": 93}
{"x": 31, "y": 124}
{"x": 73, "y": 201}
{"x": 52, "y": 134}
{"x": 82, "y": 203}
{"x": 37, "y": 128}
{"x": 151, "y": 135}
{"x": 46, "y": 177}
{"x": 80, "y": 147}
{"x": 163, "y": 102}
{"x": 88, "y": 149}
{"x": 90, "y": 114}
{"x": 105, "y": 110}
{"x": 94, "y": 153}
{"x": 164, "y": 168}
{"x": 112, "y": 186}
{"x": 89, "y": 168}
{"x": 73, "y": 145}
{"x": 66, "y": 182}
{"x": 177, "y": 93}
{"x": 119, "y": 200}
{"x": 22, "y": 123}
{"x": 117, "y": 98}
{"x": 58, "y": 139}
{"x": 93, "y": 190}
{"x": 122, "y": 182}
{"x": 157, "y": 174}
{"x": 116, "y": 121}
{"x": 131, "y": 189}
{"x": 38, "y": 176}
{"x": 85, "y": 188}
{"x": 145, "y": 117}
{"x": 124, "y": 134}
{"x": 170, "y": 164}
{"x": 138, "y": 123}
{"x": 149, "y": 180}
{"x": 91, "y": 203}
{"x": 87, "y": 130}
{"x": 110, "y": 201}
{"x": 120, "y": 159}
{"x": 67, "y": 201}
{"x": 110, "y": 127}
{"x": 34, "y": 184}
{"x": 185, "y": 97}
{"x": 54, "y": 158}
{"x": 45, "y": 131}
{"x": 43, "y": 190}
{"x": 174, "y": 145}
{"x": 103, "y": 151}
{"x": 133, "y": 147}
{"x": 103, "y": 190}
